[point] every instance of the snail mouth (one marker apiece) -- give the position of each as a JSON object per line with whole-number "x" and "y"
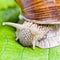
{"x": 45, "y": 21}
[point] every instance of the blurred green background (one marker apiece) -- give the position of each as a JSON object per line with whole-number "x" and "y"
{"x": 11, "y": 49}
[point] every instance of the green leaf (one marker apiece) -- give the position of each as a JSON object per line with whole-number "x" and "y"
{"x": 4, "y": 4}
{"x": 10, "y": 49}
{"x": 37, "y": 54}
{"x": 54, "y": 53}
{"x": 10, "y": 14}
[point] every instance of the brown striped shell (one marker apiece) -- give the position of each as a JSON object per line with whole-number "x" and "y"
{"x": 41, "y": 11}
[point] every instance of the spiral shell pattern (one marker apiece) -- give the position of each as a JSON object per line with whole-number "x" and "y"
{"x": 41, "y": 9}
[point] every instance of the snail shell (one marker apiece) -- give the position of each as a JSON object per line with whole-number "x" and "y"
{"x": 30, "y": 34}
{"x": 41, "y": 11}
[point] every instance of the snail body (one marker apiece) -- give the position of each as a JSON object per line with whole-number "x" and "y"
{"x": 30, "y": 34}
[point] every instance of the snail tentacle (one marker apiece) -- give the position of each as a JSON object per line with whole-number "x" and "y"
{"x": 37, "y": 37}
{"x": 17, "y": 38}
{"x": 18, "y": 26}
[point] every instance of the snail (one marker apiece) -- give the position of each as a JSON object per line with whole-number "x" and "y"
{"x": 38, "y": 28}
